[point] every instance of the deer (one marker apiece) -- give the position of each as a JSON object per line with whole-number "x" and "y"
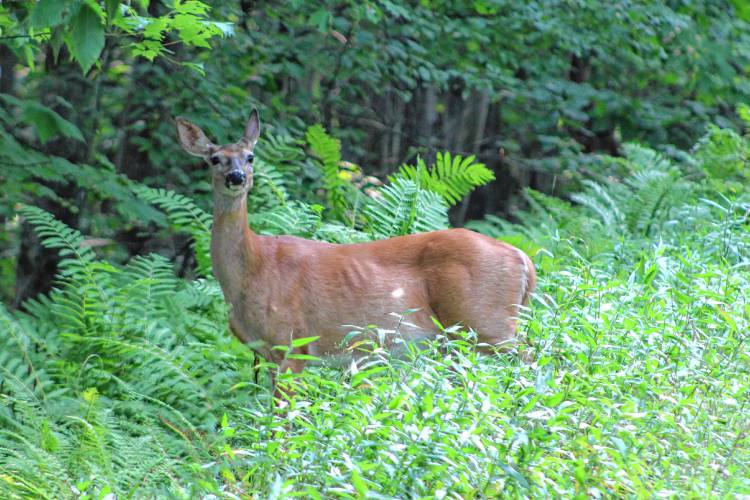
{"x": 282, "y": 288}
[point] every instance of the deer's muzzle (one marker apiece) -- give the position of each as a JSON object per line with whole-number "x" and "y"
{"x": 235, "y": 178}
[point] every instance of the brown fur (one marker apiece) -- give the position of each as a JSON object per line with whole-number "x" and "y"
{"x": 281, "y": 288}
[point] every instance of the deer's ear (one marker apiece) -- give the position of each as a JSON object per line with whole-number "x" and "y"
{"x": 252, "y": 129}
{"x": 192, "y": 138}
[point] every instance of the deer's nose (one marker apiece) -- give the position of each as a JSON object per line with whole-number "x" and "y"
{"x": 235, "y": 178}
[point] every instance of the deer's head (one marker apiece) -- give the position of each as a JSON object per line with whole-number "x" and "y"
{"x": 231, "y": 164}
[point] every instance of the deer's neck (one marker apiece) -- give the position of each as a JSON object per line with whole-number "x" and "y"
{"x": 235, "y": 248}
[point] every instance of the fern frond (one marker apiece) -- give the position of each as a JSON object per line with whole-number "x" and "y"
{"x": 295, "y": 218}
{"x": 723, "y": 153}
{"x": 86, "y": 295}
{"x": 76, "y": 258}
{"x": 334, "y": 232}
{"x": 654, "y": 194}
{"x": 182, "y": 211}
{"x": 403, "y": 208}
{"x": 269, "y": 187}
{"x": 282, "y": 151}
{"x": 491, "y": 225}
{"x": 275, "y": 172}
{"x": 643, "y": 158}
{"x": 600, "y": 201}
{"x": 20, "y": 348}
{"x": 393, "y": 211}
{"x": 185, "y": 216}
{"x": 432, "y": 212}
{"x": 146, "y": 283}
{"x": 328, "y": 151}
{"x": 452, "y": 177}
{"x": 642, "y": 200}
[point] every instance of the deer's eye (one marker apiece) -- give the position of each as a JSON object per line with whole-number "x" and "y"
{"x": 215, "y": 160}
{"x": 250, "y": 157}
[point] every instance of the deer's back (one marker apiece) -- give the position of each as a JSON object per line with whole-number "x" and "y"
{"x": 438, "y": 274}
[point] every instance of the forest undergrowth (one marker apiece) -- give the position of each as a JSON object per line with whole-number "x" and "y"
{"x": 125, "y": 380}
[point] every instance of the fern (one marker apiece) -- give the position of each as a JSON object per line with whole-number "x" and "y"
{"x": 19, "y": 358}
{"x": 655, "y": 194}
{"x": 638, "y": 157}
{"x": 643, "y": 200}
{"x": 112, "y": 401}
{"x": 85, "y": 294}
{"x": 269, "y": 187}
{"x": 200, "y": 293}
{"x": 723, "y": 154}
{"x": 282, "y": 151}
{"x": 403, "y": 208}
{"x": 146, "y": 283}
{"x": 76, "y": 258}
{"x": 431, "y": 213}
{"x": 328, "y": 151}
{"x": 294, "y": 218}
{"x": 452, "y": 177}
{"x": 599, "y": 200}
{"x": 285, "y": 155}
{"x": 538, "y": 229}
{"x": 275, "y": 173}
{"x": 336, "y": 232}
{"x": 649, "y": 197}
{"x": 185, "y": 216}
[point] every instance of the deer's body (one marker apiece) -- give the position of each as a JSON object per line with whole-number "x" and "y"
{"x": 281, "y": 288}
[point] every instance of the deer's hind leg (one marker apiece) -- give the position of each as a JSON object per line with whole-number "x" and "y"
{"x": 492, "y": 316}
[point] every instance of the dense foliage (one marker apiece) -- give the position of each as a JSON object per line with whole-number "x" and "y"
{"x": 529, "y": 88}
{"x": 125, "y": 380}
{"x": 118, "y": 375}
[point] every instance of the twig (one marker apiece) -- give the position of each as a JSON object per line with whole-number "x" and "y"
{"x": 9, "y": 37}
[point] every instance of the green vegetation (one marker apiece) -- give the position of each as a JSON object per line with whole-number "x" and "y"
{"x": 612, "y": 135}
{"x": 125, "y": 380}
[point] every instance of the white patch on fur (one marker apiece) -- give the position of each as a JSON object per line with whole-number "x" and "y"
{"x": 397, "y": 293}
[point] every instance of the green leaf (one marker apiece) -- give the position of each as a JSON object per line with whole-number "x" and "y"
{"x": 197, "y": 67}
{"x": 47, "y": 13}
{"x": 192, "y": 7}
{"x": 303, "y": 357}
{"x": 47, "y": 122}
{"x": 358, "y": 483}
{"x": 319, "y": 19}
{"x": 744, "y": 112}
{"x": 49, "y": 441}
{"x": 86, "y": 39}
{"x": 113, "y": 8}
{"x": 742, "y": 9}
{"x": 555, "y": 399}
{"x": 56, "y": 42}
{"x": 28, "y": 54}
{"x": 304, "y": 341}
{"x": 512, "y": 472}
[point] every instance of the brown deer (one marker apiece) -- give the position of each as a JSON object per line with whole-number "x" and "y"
{"x": 282, "y": 288}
